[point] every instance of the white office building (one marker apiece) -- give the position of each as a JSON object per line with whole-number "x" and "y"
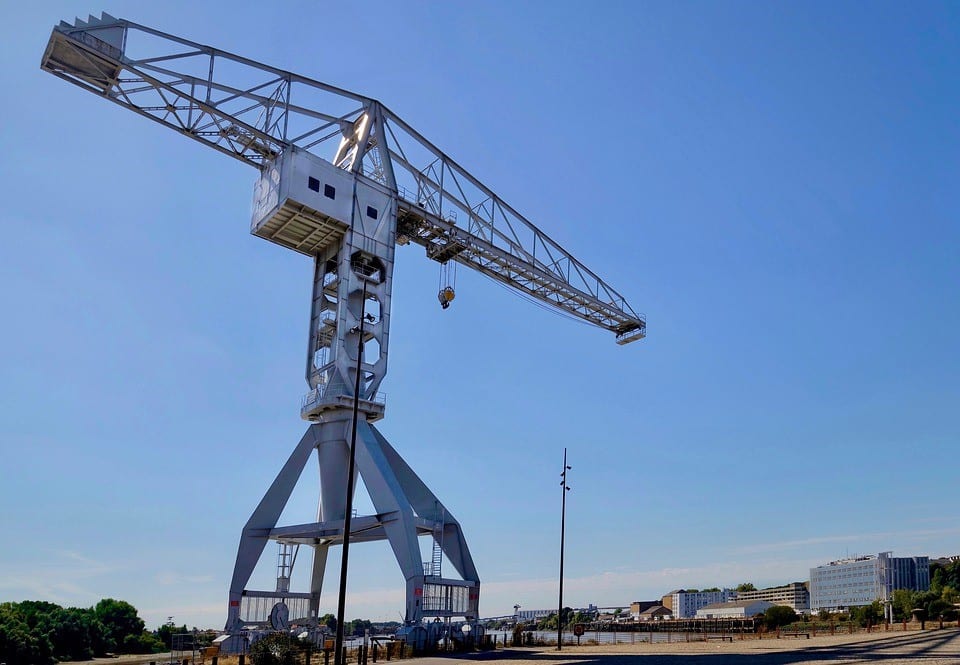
{"x": 862, "y": 580}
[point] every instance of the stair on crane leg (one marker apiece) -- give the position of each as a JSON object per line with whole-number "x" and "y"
{"x": 437, "y": 559}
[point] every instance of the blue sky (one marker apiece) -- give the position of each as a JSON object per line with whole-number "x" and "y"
{"x": 774, "y": 185}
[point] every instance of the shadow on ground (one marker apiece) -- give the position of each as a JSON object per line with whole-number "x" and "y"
{"x": 917, "y": 647}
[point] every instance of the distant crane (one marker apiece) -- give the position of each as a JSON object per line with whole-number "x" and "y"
{"x": 385, "y": 185}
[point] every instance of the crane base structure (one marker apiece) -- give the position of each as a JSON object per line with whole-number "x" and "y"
{"x": 406, "y": 509}
{"x": 344, "y": 181}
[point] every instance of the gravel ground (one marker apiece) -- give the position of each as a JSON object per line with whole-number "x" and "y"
{"x": 937, "y": 647}
{"x": 931, "y": 647}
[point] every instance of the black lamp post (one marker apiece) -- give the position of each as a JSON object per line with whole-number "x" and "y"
{"x": 341, "y": 603}
{"x": 563, "y": 520}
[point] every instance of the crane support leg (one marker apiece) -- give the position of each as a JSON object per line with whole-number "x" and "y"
{"x": 425, "y": 502}
{"x": 395, "y": 489}
{"x": 256, "y": 532}
{"x": 405, "y": 510}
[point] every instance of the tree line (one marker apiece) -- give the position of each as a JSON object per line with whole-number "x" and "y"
{"x": 358, "y": 627}
{"x": 35, "y": 632}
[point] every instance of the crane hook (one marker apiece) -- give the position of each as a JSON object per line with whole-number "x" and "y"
{"x": 446, "y": 296}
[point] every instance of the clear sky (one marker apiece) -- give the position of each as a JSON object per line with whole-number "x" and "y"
{"x": 774, "y": 184}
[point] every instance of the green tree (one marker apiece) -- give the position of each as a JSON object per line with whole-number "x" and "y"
{"x": 19, "y": 644}
{"x": 548, "y": 622}
{"x": 579, "y": 617}
{"x": 924, "y": 599}
{"x": 39, "y": 632}
{"x": 903, "y": 604}
{"x": 145, "y": 642}
{"x": 939, "y": 607}
{"x": 329, "y": 621}
{"x": 76, "y": 634}
{"x": 950, "y": 595}
{"x": 357, "y": 627}
{"x": 275, "y": 649}
{"x": 166, "y": 632}
{"x": 952, "y": 577}
{"x": 746, "y": 586}
{"x": 864, "y": 615}
{"x": 779, "y": 615}
{"x": 120, "y": 619}
{"x": 937, "y": 580}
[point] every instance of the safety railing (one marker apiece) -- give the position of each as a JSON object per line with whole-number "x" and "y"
{"x": 330, "y": 392}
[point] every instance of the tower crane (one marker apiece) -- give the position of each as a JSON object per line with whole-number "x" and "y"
{"x": 342, "y": 180}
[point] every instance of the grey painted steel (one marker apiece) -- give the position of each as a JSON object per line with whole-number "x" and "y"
{"x": 405, "y": 509}
{"x": 256, "y": 532}
{"x": 385, "y": 185}
{"x": 254, "y": 112}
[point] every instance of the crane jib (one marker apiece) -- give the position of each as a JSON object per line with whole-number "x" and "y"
{"x": 439, "y": 204}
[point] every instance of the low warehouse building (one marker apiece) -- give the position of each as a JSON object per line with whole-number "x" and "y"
{"x": 737, "y": 609}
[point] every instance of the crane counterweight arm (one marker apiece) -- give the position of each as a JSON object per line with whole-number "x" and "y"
{"x": 256, "y": 113}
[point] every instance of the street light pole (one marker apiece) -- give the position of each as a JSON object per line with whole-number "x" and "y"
{"x": 342, "y": 601}
{"x": 563, "y": 520}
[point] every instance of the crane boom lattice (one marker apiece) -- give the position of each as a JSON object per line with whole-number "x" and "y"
{"x": 254, "y": 112}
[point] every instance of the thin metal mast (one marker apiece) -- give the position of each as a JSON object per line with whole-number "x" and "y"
{"x": 563, "y": 524}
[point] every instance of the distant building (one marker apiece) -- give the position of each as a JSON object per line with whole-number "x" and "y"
{"x": 533, "y": 615}
{"x": 667, "y": 600}
{"x": 862, "y": 580}
{"x": 655, "y": 613}
{"x": 639, "y": 606}
{"x": 685, "y": 604}
{"x": 735, "y": 609}
{"x": 795, "y": 595}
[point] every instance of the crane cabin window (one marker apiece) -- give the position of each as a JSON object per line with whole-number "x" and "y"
{"x": 313, "y": 184}
{"x": 330, "y": 191}
{"x": 371, "y": 212}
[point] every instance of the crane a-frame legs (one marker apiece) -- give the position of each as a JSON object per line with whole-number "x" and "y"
{"x": 405, "y": 508}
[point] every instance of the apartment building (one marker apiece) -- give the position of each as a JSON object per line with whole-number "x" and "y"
{"x": 685, "y": 604}
{"x": 795, "y": 595}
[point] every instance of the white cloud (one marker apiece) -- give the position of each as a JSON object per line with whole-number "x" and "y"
{"x": 905, "y": 538}
{"x": 171, "y": 578}
{"x": 65, "y": 578}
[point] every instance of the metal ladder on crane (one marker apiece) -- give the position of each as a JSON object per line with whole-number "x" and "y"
{"x": 437, "y": 559}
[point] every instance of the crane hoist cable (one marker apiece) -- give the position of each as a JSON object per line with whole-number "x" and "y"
{"x": 448, "y": 283}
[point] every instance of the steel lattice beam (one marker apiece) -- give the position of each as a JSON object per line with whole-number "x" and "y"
{"x": 254, "y": 112}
